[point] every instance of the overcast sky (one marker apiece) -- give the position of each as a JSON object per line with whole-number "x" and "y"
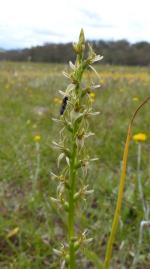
{"x": 25, "y": 23}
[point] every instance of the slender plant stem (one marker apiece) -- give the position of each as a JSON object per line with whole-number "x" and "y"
{"x": 136, "y": 257}
{"x": 139, "y": 179}
{"x": 145, "y": 215}
{"x": 71, "y": 213}
{"x": 37, "y": 171}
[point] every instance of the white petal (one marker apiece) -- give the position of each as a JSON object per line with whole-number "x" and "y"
{"x": 53, "y": 175}
{"x": 54, "y": 200}
{"x": 94, "y": 113}
{"x": 60, "y": 157}
{"x": 56, "y": 120}
{"x": 70, "y": 88}
{"x": 88, "y": 134}
{"x": 72, "y": 66}
{"x": 66, "y": 74}
{"x": 95, "y": 86}
{"x": 94, "y": 159}
{"x": 89, "y": 191}
{"x": 62, "y": 93}
{"x": 57, "y": 252}
{"x": 89, "y": 240}
{"x": 68, "y": 161}
{"x": 97, "y": 58}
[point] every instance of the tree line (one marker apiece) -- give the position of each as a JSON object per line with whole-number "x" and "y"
{"x": 115, "y": 52}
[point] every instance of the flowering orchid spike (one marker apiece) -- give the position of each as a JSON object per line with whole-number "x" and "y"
{"x": 74, "y": 113}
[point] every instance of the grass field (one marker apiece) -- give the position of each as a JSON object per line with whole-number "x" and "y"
{"x": 30, "y": 226}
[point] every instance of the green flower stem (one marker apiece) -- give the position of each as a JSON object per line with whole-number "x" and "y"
{"x": 71, "y": 213}
{"x": 72, "y": 180}
{"x": 37, "y": 171}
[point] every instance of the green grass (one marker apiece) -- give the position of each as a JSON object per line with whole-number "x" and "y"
{"x": 27, "y": 106}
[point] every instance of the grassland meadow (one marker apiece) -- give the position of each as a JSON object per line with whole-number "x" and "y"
{"x": 31, "y": 226}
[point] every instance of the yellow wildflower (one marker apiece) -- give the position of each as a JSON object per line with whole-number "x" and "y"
{"x": 135, "y": 98}
{"x": 92, "y": 94}
{"x": 37, "y": 138}
{"x": 140, "y": 137}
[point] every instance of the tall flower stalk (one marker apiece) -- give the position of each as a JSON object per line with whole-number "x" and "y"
{"x": 75, "y": 111}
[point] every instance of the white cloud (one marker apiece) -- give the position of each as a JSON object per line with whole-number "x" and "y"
{"x": 31, "y": 22}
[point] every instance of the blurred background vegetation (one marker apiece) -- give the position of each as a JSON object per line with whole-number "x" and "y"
{"x": 116, "y": 52}
{"x": 30, "y": 225}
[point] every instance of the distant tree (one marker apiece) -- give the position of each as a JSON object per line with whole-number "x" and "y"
{"x": 119, "y": 52}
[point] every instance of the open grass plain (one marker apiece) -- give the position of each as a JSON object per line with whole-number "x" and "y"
{"x": 30, "y": 225}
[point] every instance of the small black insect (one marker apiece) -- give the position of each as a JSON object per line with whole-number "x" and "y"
{"x": 64, "y": 104}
